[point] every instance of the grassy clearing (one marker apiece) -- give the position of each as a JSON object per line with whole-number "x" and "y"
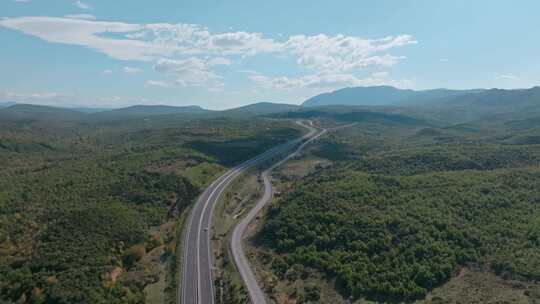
{"x": 474, "y": 285}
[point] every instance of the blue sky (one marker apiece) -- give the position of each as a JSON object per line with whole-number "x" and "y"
{"x": 221, "y": 54}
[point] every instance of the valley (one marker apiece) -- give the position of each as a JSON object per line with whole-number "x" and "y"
{"x": 269, "y": 152}
{"x": 392, "y": 204}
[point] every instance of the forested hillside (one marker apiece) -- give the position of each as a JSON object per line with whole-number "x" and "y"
{"x": 91, "y": 210}
{"x": 403, "y": 209}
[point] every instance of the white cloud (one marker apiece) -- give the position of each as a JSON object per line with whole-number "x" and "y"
{"x": 506, "y": 77}
{"x": 107, "y": 72}
{"x": 243, "y": 43}
{"x": 40, "y": 98}
{"x": 326, "y": 81}
{"x": 344, "y": 53}
{"x": 163, "y": 39}
{"x": 83, "y": 5}
{"x": 191, "y": 52}
{"x": 131, "y": 70}
{"x": 89, "y": 34}
{"x": 140, "y": 41}
{"x": 194, "y": 39}
{"x": 218, "y": 61}
{"x": 313, "y": 81}
{"x": 247, "y": 71}
{"x": 112, "y": 99}
{"x": 159, "y": 83}
{"x": 20, "y": 1}
{"x": 192, "y": 71}
{"x": 216, "y": 89}
{"x": 81, "y": 16}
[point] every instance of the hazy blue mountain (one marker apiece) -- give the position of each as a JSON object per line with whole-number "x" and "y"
{"x": 382, "y": 96}
{"x": 497, "y": 98}
{"x": 34, "y": 111}
{"x": 492, "y": 105}
{"x": 5, "y": 104}
{"x": 260, "y": 108}
{"x": 90, "y": 110}
{"x": 29, "y": 112}
{"x": 152, "y": 110}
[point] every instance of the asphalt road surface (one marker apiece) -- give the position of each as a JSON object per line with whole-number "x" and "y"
{"x": 242, "y": 264}
{"x": 196, "y": 284}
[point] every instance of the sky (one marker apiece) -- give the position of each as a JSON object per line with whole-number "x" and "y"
{"x": 223, "y": 54}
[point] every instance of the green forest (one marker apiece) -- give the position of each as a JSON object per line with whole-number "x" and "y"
{"x": 92, "y": 207}
{"x": 80, "y": 198}
{"x": 403, "y": 209}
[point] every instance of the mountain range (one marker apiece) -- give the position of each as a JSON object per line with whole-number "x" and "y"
{"x": 383, "y": 96}
{"x": 430, "y": 105}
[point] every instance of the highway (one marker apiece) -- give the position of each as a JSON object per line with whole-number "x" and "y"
{"x": 242, "y": 264}
{"x": 197, "y": 284}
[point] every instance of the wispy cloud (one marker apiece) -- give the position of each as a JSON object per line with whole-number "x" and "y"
{"x": 192, "y": 71}
{"x": 247, "y": 71}
{"x": 131, "y": 70}
{"x": 345, "y": 53}
{"x": 40, "y": 95}
{"x": 86, "y": 33}
{"x": 159, "y": 83}
{"x": 81, "y": 16}
{"x": 192, "y": 53}
{"x": 83, "y": 5}
{"x": 40, "y": 98}
{"x": 326, "y": 81}
{"x": 506, "y": 77}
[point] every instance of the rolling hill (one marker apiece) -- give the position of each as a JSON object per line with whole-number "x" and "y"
{"x": 497, "y": 97}
{"x": 153, "y": 110}
{"x": 349, "y": 114}
{"x": 439, "y": 106}
{"x": 490, "y": 105}
{"x": 260, "y": 108}
{"x": 34, "y": 112}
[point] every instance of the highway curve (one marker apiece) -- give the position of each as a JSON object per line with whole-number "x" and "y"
{"x": 197, "y": 284}
{"x": 242, "y": 264}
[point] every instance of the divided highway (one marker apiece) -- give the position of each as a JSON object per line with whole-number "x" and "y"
{"x": 197, "y": 285}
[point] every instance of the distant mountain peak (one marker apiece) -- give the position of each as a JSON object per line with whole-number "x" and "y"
{"x": 381, "y": 96}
